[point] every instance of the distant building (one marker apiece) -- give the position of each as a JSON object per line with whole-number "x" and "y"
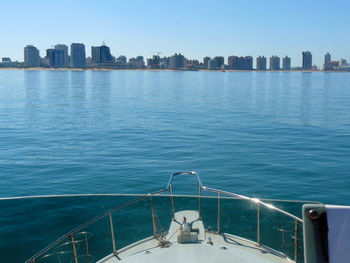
{"x": 101, "y": 54}
{"x": 55, "y": 57}
{"x": 275, "y": 63}
{"x": 333, "y": 64}
{"x": 344, "y": 65}
{"x": 327, "y": 58}
{"x": 44, "y": 62}
{"x": 343, "y": 62}
{"x": 6, "y": 60}
{"x": 140, "y": 62}
{"x": 219, "y": 61}
{"x": 240, "y": 63}
{"x": 261, "y": 63}
{"x": 31, "y": 56}
{"x": 164, "y": 64}
{"x": 153, "y": 62}
{"x": 233, "y": 62}
{"x": 64, "y": 48}
{"x": 177, "y": 61}
{"x": 132, "y": 63}
{"x": 192, "y": 64}
{"x": 206, "y": 62}
{"x": 286, "y": 63}
{"x": 77, "y": 55}
{"x": 307, "y": 60}
{"x": 212, "y": 64}
{"x": 121, "y": 60}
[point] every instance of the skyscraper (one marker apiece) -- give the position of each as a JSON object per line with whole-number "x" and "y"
{"x": 64, "y": 48}
{"x": 212, "y": 64}
{"x": 240, "y": 63}
{"x": 101, "y": 54}
{"x": 177, "y": 61}
{"x": 206, "y": 62}
{"x": 31, "y": 56}
{"x": 77, "y": 55}
{"x": 247, "y": 63}
{"x": 275, "y": 63}
{"x": 219, "y": 61}
{"x": 261, "y": 63}
{"x": 307, "y": 60}
{"x": 55, "y": 57}
{"x": 327, "y": 59}
{"x": 286, "y": 63}
{"x": 233, "y": 62}
{"x": 140, "y": 62}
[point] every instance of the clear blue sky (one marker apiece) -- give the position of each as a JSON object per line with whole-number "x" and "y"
{"x": 194, "y": 28}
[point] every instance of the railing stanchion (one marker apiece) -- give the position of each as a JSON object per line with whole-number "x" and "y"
{"x": 74, "y": 249}
{"x": 258, "y": 225}
{"x": 153, "y": 218}
{"x": 296, "y": 242}
{"x": 172, "y": 201}
{"x": 219, "y": 212}
{"x": 112, "y": 233}
{"x": 87, "y": 247}
{"x": 199, "y": 201}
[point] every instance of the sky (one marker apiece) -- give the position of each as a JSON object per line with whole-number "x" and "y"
{"x": 194, "y": 28}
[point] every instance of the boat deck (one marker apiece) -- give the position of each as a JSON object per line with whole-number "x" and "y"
{"x": 211, "y": 247}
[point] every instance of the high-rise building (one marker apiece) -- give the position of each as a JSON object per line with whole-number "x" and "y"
{"x": 212, "y": 64}
{"x": 101, "y": 54}
{"x": 140, "y": 62}
{"x": 153, "y": 62}
{"x": 247, "y": 63}
{"x": 31, "y": 56}
{"x": 219, "y": 61}
{"x": 233, "y": 62}
{"x": 64, "y": 48}
{"x": 327, "y": 58}
{"x": 307, "y": 60}
{"x": 206, "y": 62}
{"x": 177, "y": 61}
{"x": 275, "y": 63}
{"x": 55, "y": 57}
{"x": 240, "y": 63}
{"x": 77, "y": 55}
{"x": 261, "y": 63}
{"x": 286, "y": 63}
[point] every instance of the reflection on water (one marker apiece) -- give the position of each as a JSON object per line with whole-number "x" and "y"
{"x": 78, "y": 85}
{"x": 305, "y": 97}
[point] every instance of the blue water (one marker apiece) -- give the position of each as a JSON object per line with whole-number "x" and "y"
{"x": 273, "y": 135}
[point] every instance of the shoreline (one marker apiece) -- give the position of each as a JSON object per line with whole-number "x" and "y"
{"x": 205, "y": 70}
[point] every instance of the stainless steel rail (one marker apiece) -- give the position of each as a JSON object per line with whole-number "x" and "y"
{"x": 169, "y": 188}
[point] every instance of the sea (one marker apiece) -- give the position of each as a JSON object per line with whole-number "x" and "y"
{"x": 274, "y": 135}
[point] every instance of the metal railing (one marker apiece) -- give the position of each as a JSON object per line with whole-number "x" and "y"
{"x": 169, "y": 188}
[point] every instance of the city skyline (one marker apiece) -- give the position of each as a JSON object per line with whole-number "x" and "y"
{"x": 226, "y": 60}
{"x": 101, "y": 57}
{"x": 197, "y": 29}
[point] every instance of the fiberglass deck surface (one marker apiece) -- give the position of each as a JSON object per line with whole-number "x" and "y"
{"x": 224, "y": 248}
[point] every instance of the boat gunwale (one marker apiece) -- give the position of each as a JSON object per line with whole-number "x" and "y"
{"x": 158, "y": 193}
